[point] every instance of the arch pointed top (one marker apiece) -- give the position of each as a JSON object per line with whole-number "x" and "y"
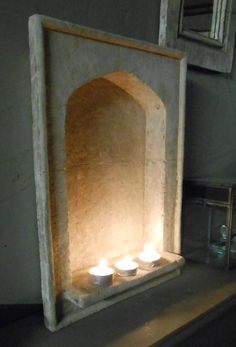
{"x": 115, "y": 168}
{"x": 133, "y": 86}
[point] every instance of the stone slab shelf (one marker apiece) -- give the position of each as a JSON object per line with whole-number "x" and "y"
{"x": 83, "y": 294}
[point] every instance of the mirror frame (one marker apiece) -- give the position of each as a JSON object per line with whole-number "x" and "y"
{"x": 201, "y": 51}
{"x": 219, "y": 24}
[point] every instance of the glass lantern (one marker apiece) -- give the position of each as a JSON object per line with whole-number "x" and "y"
{"x": 209, "y": 224}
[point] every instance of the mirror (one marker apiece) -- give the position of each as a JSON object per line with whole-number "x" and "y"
{"x": 203, "y": 29}
{"x": 204, "y": 20}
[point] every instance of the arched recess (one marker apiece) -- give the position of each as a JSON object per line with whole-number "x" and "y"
{"x": 115, "y": 168}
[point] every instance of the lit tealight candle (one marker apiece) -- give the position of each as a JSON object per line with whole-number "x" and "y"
{"x": 126, "y": 266}
{"x": 149, "y": 257}
{"x": 101, "y": 275}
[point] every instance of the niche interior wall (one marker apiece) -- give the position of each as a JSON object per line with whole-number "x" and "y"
{"x": 108, "y": 125}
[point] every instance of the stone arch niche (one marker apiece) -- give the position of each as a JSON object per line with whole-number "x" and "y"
{"x": 115, "y": 168}
{"x": 115, "y": 164}
{"x": 108, "y": 115}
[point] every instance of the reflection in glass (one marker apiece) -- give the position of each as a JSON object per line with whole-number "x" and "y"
{"x": 197, "y": 16}
{"x": 203, "y": 19}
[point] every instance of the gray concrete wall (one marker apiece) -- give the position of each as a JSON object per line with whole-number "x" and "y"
{"x": 210, "y": 141}
{"x": 19, "y": 256}
{"x": 210, "y": 122}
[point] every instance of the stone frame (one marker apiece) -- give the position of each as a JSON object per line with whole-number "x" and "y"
{"x": 57, "y": 311}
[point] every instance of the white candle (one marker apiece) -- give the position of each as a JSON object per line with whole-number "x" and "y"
{"x": 149, "y": 257}
{"x": 102, "y": 274}
{"x": 126, "y": 266}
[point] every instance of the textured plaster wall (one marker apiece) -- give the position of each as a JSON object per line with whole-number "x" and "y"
{"x": 105, "y": 173}
{"x": 19, "y": 256}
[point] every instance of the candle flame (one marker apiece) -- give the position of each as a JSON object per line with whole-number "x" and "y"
{"x": 159, "y": 234}
{"x": 102, "y": 262}
{"x": 126, "y": 263}
{"x": 149, "y": 248}
{"x": 127, "y": 258}
{"x": 149, "y": 253}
